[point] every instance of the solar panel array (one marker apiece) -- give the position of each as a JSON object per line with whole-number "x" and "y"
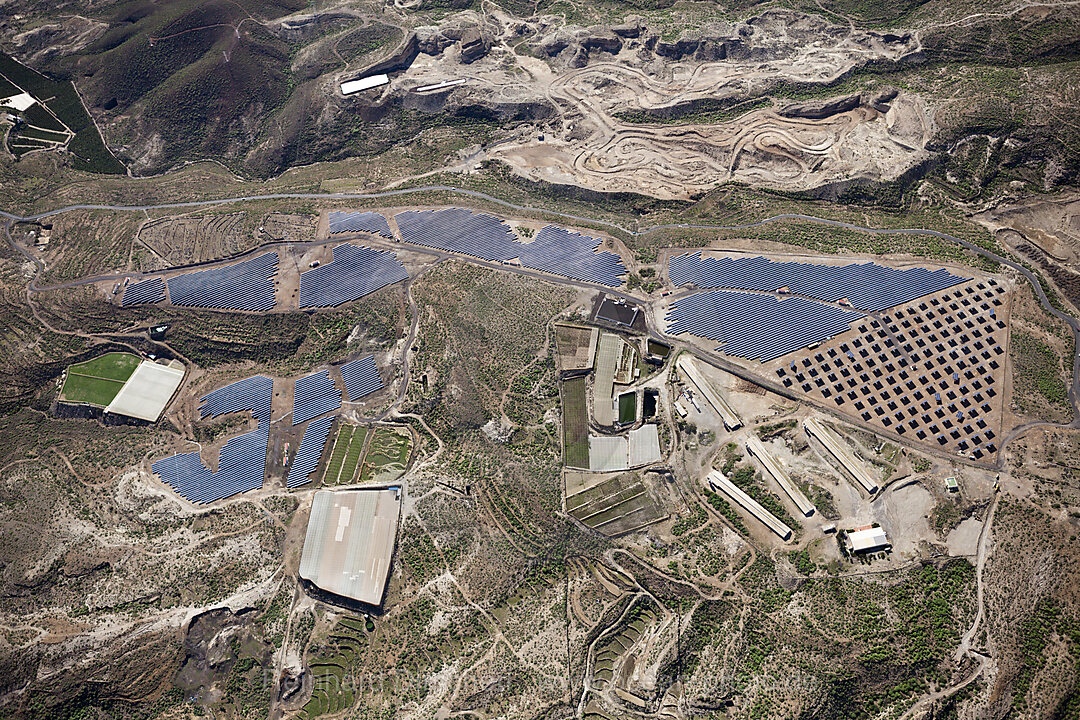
{"x": 361, "y": 377}
{"x": 143, "y": 292}
{"x": 309, "y": 452}
{"x": 315, "y": 395}
{"x": 555, "y": 249}
{"x": 255, "y": 393}
{"x": 926, "y": 371}
{"x": 353, "y": 273}
{"x": 458, "y": 230}
{"x": 868, "y": 286}
{"x": 248, "y": 285}
{"x": 368, "y": 222}
{"x": 241, "y": 467}
{"x": 561, "y": 252}
{"x": 757, "y": 327}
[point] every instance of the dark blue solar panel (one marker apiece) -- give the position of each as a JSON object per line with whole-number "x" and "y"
{"x": 555, "y": 250}
{"x": 353, "y": 273}
{"x": 143, "y": 292}
{"x": 367, "y": 222}
{"x": 560, "y": 252}
{"x": 315, "y": 395}
{"x": 254, "y": 393}
{"x": 870, "y": 287}
{"x": 760, "y": 327}
{"x": 309, "y": 452}
{"x": 361, "y": 377}
{"x": 248, "y": 285}
{"x": 241, "y": 467}
{"x": 458, "y": 230}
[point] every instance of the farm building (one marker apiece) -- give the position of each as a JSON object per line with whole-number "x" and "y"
{"x": 350, "y": 541}
{"x": 867, "y": 540}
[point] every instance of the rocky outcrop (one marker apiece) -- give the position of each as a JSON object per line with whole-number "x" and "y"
{"x": 473, "y": 45}
{"x": 819, "y": 109}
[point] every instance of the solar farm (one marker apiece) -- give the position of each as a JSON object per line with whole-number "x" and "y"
{"x": 555, "y": 250}
{"x": 930, "y": 370}
{"x": 354, "y": 272}
{"x": 248, "y": 285}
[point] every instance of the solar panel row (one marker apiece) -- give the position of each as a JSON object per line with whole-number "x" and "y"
{"x": 369, "y": 222}
{"x": 458, "y": 230}
{"x": 241, "y": 467}
{"x": 143, "y": 292}
{"x": 555, "y": 250}
{"x": 255, "y": 393}
{"x": 315, "y": 395}
{"x": 361, "y": 377}
{"x": 309, "y": 452}
{"x": 248, "y": 285}
{"x": 869, "y": 286}
{"x": 757, "y": 327}
{"x": 561, "y": 252}
{"x": 353, "y": 273}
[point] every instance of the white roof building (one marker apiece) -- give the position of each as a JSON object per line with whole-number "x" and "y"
{"x": 868, "y": 540}
{"x": 353, "y": 86}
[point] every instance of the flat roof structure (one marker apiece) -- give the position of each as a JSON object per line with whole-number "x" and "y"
{"x": 757, "y": 448}
{"x": 607, "y": 454}
{"x": 353, "y": 86}
{"x": 617, "y": 312}
{"x": 868, "y": 540}
{"x": 607, "y": 359}
{"x": 749, "y": 504}
{"x": 839, "y": 450}
{"x": 644, "y": 445}
{"x": 148, "y": 390}
{"x": 723, "y": 408}
{"x": 350, "y": 542}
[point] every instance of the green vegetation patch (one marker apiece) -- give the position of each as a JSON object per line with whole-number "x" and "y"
{"x": 61, "y": 99}
{"x": 628, "y": 407}
{"x": 1036, "y": 369}
{"x": 95, "y": 391}
{"x": 111, "y": 366}
{"x": 97, "y": 381}
{"x": 575, "y": 424}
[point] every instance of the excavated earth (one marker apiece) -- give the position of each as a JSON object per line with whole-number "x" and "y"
{"x": 578, "y": 85}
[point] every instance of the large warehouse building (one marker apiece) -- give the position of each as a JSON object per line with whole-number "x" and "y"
{"x": 350, "y": 542}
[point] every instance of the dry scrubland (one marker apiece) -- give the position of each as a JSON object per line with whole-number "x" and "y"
{"x": 500, "y": 604}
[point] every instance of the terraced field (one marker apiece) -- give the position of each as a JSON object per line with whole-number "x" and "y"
{"x": 335, "y": 668}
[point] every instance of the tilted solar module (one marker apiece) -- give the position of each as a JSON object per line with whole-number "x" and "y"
{"x": 757, "y": 327}
{"x": 144, "y": 292}
{"x": 248, "y": 285}
{"x": 868, "y": 286}
{"x": 255, "y": 393}
{"x": 361, "y": 377}
{"x": 241, "y": 467}
{"x": 555, "y": 249}
{"x": 354, "y": 272}
{"x": 561, "y": 252}
{"x": 367, "y": 222}
{"x": 310, "y": 451}
{"x": 459, "y": 230}
{"x": 315, "y": 395}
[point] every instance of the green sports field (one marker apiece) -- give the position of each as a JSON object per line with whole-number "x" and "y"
{"x": 97, "y": 381}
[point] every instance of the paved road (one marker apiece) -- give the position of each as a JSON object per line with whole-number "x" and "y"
{"x": 1072, "y": 322}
